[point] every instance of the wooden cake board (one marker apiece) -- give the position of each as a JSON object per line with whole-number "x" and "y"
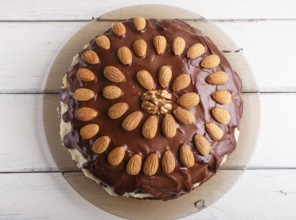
{"x": 204, "y": 195}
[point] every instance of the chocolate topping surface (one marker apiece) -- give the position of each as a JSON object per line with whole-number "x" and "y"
{"x": 161, "y": 185}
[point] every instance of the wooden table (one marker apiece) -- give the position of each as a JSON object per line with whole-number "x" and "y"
{"x": 32, "y": 33}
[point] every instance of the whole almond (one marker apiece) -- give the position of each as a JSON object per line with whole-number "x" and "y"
{"x": 119, "y": 29}
{"x": 160, "y": 44}
{"x": 188, "y": 100}
{"x": 103, "y": 42}
{"x": 211, "y": 61}
{"x": 83, "y": 94}
{"x": 222, "y": 97}
{"x": 178, "y": 45}
{"x": 164, "y": 76}
{"x": 215, "y": 132}
{"x": 186, "y": 156}
{"x": 220, "y": 115}
{"x": 132, "y": 121}
{"x": 168, "y": 162}
{"x": 140, "y": 23}
{"x": 86, "y": 114}
{"x": 140, "y": 47}
{"x": 89, "y": 131}
{"x": 134, "y": 165}
{"x": 169, "y": 127}
{"x": 116, "y": 156}
{"x": 145, "y": 79}
{"x": 196, "y": 50}
{"x": 101, "y": 144}
{"x": 202, "y": 144}
{"x": 117, "y": 110}
{"x": 217, "y": 78}
{"x": 150, "y": 126}
{"x": 181, "y": 82}
{"x": 151, "y": 164}
{"x": 90, "y": 57}
{"x": 183, "y": 116}
{"x": 112, "y": 92}
{"x": 85, "y": 75}
{"x": 114, "y": 74}
{"x": 125, "y": 55}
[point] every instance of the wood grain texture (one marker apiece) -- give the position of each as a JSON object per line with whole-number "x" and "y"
{"x": 47, "y": 196}
{"x": 29, "y": 150}
{"x": 85, "y": 10}
{"x": 44, "y": 40}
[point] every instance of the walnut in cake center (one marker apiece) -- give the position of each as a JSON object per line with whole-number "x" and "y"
{"x": 156, "y": 102}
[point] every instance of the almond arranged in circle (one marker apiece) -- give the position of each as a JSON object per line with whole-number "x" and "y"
{"x": 85, "y": 75}
{"x": 186, "y": 156}
{"x": 151, "y": 164}
{"x": 215, "y": 132}
{"x": 125, "y": 55}
{"x": 222, "y": 97}
{"x": 150, "y": 127}
{"x": 178, "y": 45}
{"x": 160, "y": 44}
{"x": 168, "y": 162}
{"x": 119, "y": 29}
{"x": 112, "y": 92}
{"x": 101, "y": 144}
{"x": 202, "y": 144}
{"x": 210, "y": 62}
{"x": 86, "y": 114}
{"x": 164, "y": 76}
{"x": 103, "y": 42}
{"x": 116, "y": 156}
{"x": 83, "y": 94}
{"x": 221, "y": 115}
{"x": 145, "y": 79}
{"x": 90, "y": 57}
{"x": 217, "y": 78}
{"x": 183, "y": 116}
{"x": 169, "y": 127}
{"x": 134, "y": 165}
{"x": 181, "y": 82}
{"x": 114, "y": 74}
{"x": 140, "y": 23}
{"x": 140, "y": 47}
{"x": 132, "y": 121}
{"x": 188, "y": 100}
{"x": 89, "y": 131}
{"x": 196, "y": 50}
{"x": 117, "y": 110}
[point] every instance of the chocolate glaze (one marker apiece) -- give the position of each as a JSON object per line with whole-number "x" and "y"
{"x": 161, "y": 185}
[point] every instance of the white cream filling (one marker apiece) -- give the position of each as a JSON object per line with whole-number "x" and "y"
{"x": 65, "y": 128}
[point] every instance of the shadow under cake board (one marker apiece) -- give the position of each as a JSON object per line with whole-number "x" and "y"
{"x": 130, "y": 208}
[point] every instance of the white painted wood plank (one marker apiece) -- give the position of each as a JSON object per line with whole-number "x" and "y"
{"x": 77, "y": 10}
{"x": 24, "y": 69}
{"x": 259, "y": 194}
{"x": 24, "y": 145}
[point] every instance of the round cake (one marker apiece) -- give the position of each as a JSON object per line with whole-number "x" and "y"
{"x": 150, "y": 108}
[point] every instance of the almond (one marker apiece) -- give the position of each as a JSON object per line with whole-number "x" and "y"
{"x": 119, "y": 29}
{"x": 211, "y": 61}
{"x": 125, "y": 55}
{"x": 90, "y": 57}
{"x": 140, "y": 47}
{"x": 178, "y": 45}
{"x": 202, "y": 144}
{"x": 86, "y": 114}
{"x": 168, "y": 162}
{"x": 222, "y": 97}
{"x": 117, "y": 110}
{"x": 85, "y": 75}
{"x": 188, "y": 100}
{"x": 116, "y": 156}
{"x": 183, "y": 116}
{"x": 134, "y": 165}
{"x": 186, "y": 155}
{"x": 149, "y": 128}
{"x": 101, "y": 144}
{"x": 181, "y": 82}
{"x": 215, "y": 132}
{"x": 83, "y": 94}
{"x": 114, "y": 74}
{"x": 151, "y": 164}
{"x": 164, "y": 76}
{"x": 160, "y": 44}
{"x": 112, "y": 92}
{"x": 145, "y": 79}
{"x": 132, "y": 121}
{"x": 196, "y": 50}
{"x": 140, "y": 23}
{"x": 89, "y": 131}
{"x": 169, "y": 127}
{"x": 217, "y": 78}
{"x": 103, "y": 42}
{"x": 220, "y": 115}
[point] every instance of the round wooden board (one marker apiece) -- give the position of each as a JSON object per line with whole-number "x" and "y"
{"x": 204, "y": 195}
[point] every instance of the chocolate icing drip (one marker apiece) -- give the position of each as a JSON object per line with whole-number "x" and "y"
{"x": 161, "y": 185}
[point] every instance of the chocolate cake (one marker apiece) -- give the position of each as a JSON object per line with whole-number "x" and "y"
{"x": 150, "y": 108}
